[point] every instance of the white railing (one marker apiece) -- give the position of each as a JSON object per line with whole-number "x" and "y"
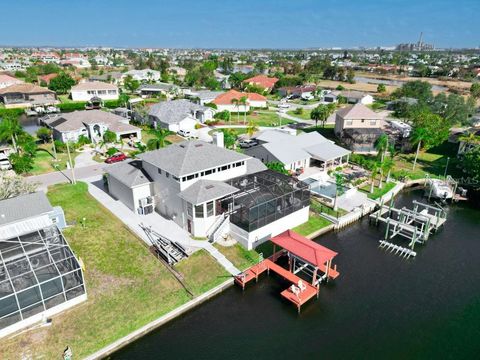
{"x": 220, "y": 229}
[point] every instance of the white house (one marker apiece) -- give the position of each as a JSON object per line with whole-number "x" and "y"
{"x": 204, "y": 188}
{"x": 357, "y": 97}
{"x": 179, "y": 115}
{"x": 87, "y": 90}
{"x": 91, "y": 124}
{"x": 227, "y": 101}
{"x": 143, "y": 75}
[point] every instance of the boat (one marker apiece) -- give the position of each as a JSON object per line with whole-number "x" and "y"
{"x": 30, "y": 112}
{"x": 440, "y": 189}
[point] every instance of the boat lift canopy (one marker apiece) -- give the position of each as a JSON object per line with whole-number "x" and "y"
{"x": 304, "y": 248}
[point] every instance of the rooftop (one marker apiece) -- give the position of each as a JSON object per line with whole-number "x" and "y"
{"x": 23, "y": 207}
{"x": 25, "y": 89}
{"x": 226, "y": 98}
{"x": 130, "y": 173}
{"x": 77, "y": 120}
{"x": 206, "y": 190}
{"x": 171, "y": 112}
{"x": 94, "y": 85}
{"x": 189, "y": 157}
{"x": 263, "y": 81}
{"x": 358, "y": 112}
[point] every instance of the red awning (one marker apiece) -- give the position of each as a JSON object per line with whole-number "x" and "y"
{"x": 304, "y": 248}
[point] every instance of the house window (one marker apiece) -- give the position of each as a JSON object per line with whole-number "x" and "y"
{"x": 189, "y": 210}
{"x": 102, "y": 92}
{"x": 199, "y": 211}
{"x": 175, "y": 178}
{"x": 373, "y": 122}
{"x": 224, "y": 168}
{"x": 190, "y": 177}
{"x": 112, "y": 92}
{"x": 349, "y": 122}
{"x": 363, "y": 120}
{"x": 159, "y": 171}
{"x": 210, "y": 209}
{"x": 91, "y": 92}
{"x": 167, "y": 174}
{"x": 208, "y": 172}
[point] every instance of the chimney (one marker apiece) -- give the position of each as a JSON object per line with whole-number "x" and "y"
{"x": 218, "y": 139}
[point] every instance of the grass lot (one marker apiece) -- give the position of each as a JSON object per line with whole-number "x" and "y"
{"x": 259, "y": 118}
{"x": 44, "y": 160}
{"x": 315, "y": 222}
{"x": 328, "y": 130}
{"x": 172, "y": 138}
{"x": 318, "y": 208}
{"x": 127, "y": 287}
{"x": 305, "y": 115}
{"x": 239, "y": 256}
{"x": 377, "y": 192}
{"x": 236, "y": 131}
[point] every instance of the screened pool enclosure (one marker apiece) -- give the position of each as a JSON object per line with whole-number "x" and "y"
{"x": 38, "y": 272}
{"x": 265, "y": 197}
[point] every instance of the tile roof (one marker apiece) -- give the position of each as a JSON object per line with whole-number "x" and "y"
{"x": 25, "y": 89}
{"x": 226, "y": 98}
{"x": 358, "y": 112}
{"x": 263, "y": 81}
{"x": 206, "y": 190}
{"x": 94, "y": 85}
{"x": 189, "y": 157}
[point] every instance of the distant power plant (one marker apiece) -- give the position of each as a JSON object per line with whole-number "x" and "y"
{"x": 418, "y": 46}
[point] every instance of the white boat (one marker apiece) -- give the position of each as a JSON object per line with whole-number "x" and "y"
{"x": 31, "y": 112}
{"x": 440, "y": 189}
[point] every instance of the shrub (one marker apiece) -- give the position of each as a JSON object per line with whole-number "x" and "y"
{"x": 112, "y": 151}
{"x": 21, "y": 163}
{"x": 83, "y": 140}
{"x": 72, "y": 106}
{"x": 44, "y": 134}
{"x": 298, "y": 111}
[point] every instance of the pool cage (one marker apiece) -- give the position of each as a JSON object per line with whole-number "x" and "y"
{"x": 265, "y": 197}
{"x": 38, "y": 271}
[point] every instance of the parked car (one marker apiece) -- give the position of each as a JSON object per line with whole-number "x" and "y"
{"x": 116, "y": 158}
{"x": 4, "y": 162}
{"x": 245, "y": 144}
{"x": 283, "y": 106}
{"x": 184, "y": 133}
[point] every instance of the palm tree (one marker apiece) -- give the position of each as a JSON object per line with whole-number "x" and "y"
{"x": 373, "y": 175}
{"x": 330, "y": 109}
{"x": 418, "y": 136}
{"x": 252, "y": 128}
{"x": 243, "y": 101}
{"x": 316, "y": 115}
{"x": 10, "y": 129}
{"x": 159, "y": 141}
{"x": 381, "y": 145}
{"x": 467, "y": 140}
{"x": 236, "y": 103}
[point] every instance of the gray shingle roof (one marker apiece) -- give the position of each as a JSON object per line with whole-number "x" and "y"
{"x": 326, "y": 151}
{"x": 358, "y": 112}
{"x": 171, "y": 112}
{"x": 254, "y": 166}
{"x": 23, "y": 207}
{"x": 206, "y": 190}
{"x": 189, "y": 157}
{"x": 129, "y": 173}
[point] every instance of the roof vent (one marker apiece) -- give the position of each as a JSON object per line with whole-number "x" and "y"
{"x": 208, "y": 187}
{"x": 198, "y": 145}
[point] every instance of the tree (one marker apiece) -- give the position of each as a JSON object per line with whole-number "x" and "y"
{"x": 62, "y": 83}
{"x": 381, "y": 145}
{"x": 243, "y": 101}
{"x": 417, "y": 89}
{"x": 381, "y": 88}
{"x": 277, "y": 166}
{"x": 351, "y": 76}
{"x": 236, "y": 104}
{"x": 10, "y": 129}
{"x": 229, "y": 137}
{"x": 375, "y": 167}
{"x": 252, "y": 128}
{"x": 44, "y": 134}
{"x": 160, "y": 139}
{"x": 322, "y": 112}
{"x": 475, "y": 90}
{"x": 21, "y": 163}
{"x": 130, "y": 84}
{"x": 14, "y": 185}
{"x": 471, "y": 164}
{"x": 109, "y": 136}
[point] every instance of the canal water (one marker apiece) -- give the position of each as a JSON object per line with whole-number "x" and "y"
{"x": 381, "y": 306}
{"x": 29, "y": 123}
{"x": 368, "y": 80}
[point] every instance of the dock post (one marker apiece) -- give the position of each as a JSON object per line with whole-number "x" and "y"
{"x": 386, "y": 230}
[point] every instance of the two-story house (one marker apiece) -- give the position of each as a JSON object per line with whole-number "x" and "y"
{"x": 94, "y": 89}
{"x": 358, "y": 127}
{"x": 27, "y": 95}
{"x": 201, "y": 186}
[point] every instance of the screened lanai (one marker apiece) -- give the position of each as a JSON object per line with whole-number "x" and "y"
{"x": 265, "y": 197}
{"x": 38, "y": 271}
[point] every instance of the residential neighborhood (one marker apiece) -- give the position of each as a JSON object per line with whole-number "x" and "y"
{"x": 160, "y": 177}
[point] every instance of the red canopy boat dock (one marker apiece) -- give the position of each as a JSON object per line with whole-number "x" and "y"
{"x": 304, "y": 255}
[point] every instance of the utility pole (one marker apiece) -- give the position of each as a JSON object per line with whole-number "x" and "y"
{"x": 71, "y": 164}
{"x": 54, "y": 148}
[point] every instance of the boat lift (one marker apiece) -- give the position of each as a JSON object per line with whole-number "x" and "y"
{"x": 415, "y": 225}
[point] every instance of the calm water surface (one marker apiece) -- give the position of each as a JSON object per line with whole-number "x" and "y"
{"x": 381, "y": 306}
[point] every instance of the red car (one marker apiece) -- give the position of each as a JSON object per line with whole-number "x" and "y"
{"x": 116, "y": 158}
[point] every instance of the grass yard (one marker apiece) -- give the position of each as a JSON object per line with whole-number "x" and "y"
{"x": 315, "y": 222}
{"x": 377, "y": 192}
{"x": 44, "y": 160}
{"x": 174, "y": 138}
{"x": 127, "y": 286}
{"x": 305, "y": 115}
{"x": 239, "y": 256}
{"x": 259, "y": 118}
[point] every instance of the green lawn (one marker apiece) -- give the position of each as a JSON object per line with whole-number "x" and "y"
{"x": 377, "y": 192}
{"x": 127, "y": 286}
{"x": 44, "y": 160}
{"x": 315, "y": 222}
{"x": 318, "y": 208}
{"x": 305, "y": 115}
{"x": 239, "y": 256}
{"x": 259, "y": 118}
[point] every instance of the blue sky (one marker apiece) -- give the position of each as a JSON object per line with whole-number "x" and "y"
{"x": 239, "y": 23}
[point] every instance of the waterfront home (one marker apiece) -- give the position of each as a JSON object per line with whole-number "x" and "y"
{"x": 226, "y": 101}
{"x": 27, "y": 95}
{"x": 39, "y": 274}
{"x": 301, "y": 91}
{"x": 143, "y": 75}
{"x": 85, "y": 91}
{"x": 210, "y": 191}
{"x": 91, "y": 124}
{"x": 358, "y": 127}
{"x": 357, "y": 97}
{"x": 179, "y": 114}
{"x": 7, "y": 80}
{"x": 298, "y": 151}
{"x": 262, "y": 81}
